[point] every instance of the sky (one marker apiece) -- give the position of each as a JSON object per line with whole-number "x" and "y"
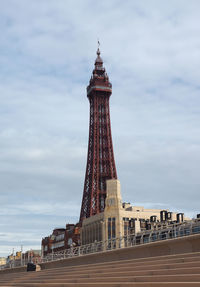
{"x": 151, "y": 52}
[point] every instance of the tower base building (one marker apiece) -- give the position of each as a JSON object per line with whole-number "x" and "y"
{"x": 119, "y": 220}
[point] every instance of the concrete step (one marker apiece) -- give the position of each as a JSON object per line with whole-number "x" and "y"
{"x": 122, "y": 263}
{"x": 153, "y": 278}
{"x": 11, "y": 274}
{"x": 124, "y": 284}
{"x": 142, "y": 261}
{"x": 167, "y": 264}
{"x": 195, "y": 270}
{"x": 155, "y": 259}
{"x": 126, "y": 268}
{"x": 172, "y": 271}
{"x": 152, "y": 270}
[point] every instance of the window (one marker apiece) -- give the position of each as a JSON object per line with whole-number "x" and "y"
{"x": 58, "y": 244}
{"x": 111, "y": 228}
{"x": 60, "y": 237}
{"x": 126, "y": 226}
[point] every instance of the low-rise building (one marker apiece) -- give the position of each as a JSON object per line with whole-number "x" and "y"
{"x": 118, "y": 220}
{"x": 121, "y": 219}
{"x": 2, "y": 261}
{"x": 61, "y": 239}
{"x": 33, "y": 255}
{"x": 20, "y": 259}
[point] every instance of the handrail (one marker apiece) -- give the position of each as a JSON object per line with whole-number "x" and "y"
{"x": 171, "y": 232}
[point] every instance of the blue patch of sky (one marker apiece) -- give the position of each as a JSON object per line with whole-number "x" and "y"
{"x": 19, "y": 66}
{"x": 10, "y": 244}
{"x": 181, "y": 82}
{"x": 30, "y": 221}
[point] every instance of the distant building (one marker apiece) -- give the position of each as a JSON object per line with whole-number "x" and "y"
{"x": 33, "y": 255}
{"x": 61, "y": 239}
{"x": 19, "y": 259}
{"x": 2, "y": 261}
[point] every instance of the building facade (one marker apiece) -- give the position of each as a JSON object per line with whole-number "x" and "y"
{"x": 61, "y": 239}
{"x": 2, "y": 261}
{"x": 122, "y": 219}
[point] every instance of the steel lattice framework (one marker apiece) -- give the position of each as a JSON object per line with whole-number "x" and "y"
{"x": 100, "y": 160}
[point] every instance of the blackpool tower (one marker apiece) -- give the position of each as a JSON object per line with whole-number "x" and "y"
{"x": 100, "y": 160}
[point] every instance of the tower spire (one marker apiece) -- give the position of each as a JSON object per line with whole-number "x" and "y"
{"x": 100, "y": 160}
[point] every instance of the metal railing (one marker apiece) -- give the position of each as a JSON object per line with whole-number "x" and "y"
{"x": 170, "y": 232}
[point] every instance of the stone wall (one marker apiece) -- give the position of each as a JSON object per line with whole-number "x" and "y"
{"x": 187, "y": 244}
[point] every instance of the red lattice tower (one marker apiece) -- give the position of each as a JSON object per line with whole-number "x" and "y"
{"x": 100, "y": 160}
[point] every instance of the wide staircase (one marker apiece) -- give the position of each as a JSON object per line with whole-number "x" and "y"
{"x": 171, "y": 270}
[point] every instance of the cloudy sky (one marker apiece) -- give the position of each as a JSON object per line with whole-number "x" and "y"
{"x": 151, "y": 51}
